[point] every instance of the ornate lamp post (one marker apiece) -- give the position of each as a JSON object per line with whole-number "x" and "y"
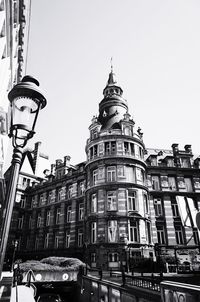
{"x": 26, "y": 100}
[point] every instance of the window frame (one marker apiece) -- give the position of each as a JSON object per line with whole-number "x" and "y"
{"x": 48, "y": 217}
{"x": 58, "y": 215}
{"x": 81, "y": 211}
{"x": 158, "y": 207}
{"x": 69, "y": 213}
{"x": 112, "y": 200}
{"x": 95, "y": 177}
{"x": 94, "y": 202}
{"x": 46, "y": 240}
{"x": 179, "y": 235}
{"x": 134, "y": 232}
{"x": 80, "y": 237}
{"x": 67, "y": 240}
{"x": 93, "y": 232}
{"x": 132, "y": 200}
{"x": 111, "y": 173}
{"x": 161, "y": 234}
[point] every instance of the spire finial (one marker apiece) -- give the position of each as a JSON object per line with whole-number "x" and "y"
{"x": 111, "y": 64}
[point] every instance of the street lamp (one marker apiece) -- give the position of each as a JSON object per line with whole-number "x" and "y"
{"x": 26, "y": 100}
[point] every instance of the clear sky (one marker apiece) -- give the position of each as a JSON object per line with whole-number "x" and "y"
{"x": 155, "y": 45}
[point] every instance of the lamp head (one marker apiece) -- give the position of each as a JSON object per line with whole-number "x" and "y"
{"x": 26, "y": 100}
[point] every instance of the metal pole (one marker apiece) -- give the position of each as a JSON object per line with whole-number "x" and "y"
{"x": 13, "y": 257}
{"x": 9, "y": 203}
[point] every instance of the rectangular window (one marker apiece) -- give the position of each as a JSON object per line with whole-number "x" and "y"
{"x": 127, "y": 131}
{"x": 185, "y": 163}
{"x": 188, "y": 184}
{"x": 56, "y": 241}
{"x": 82, "y": 188}
{"x": 39, "y": 220}
{"x": 94, "y": 203}
{"x": 93, "y": 232}
{"x": 113, "y": 257}
{"x": 23, "y": 201}
{"x": 69, "y": 213}
{"x": 81, "y": 211}
{"x": 179, "y": 235}
{"x": 146, "y": 204}
{"x": 158, "y": 206}
{"x": 112, "y": 231}
{"x": 59, "y": 194}
{"x": 155, "y": 183}
{"x": 149, "y": 232}
{"x": 49, "y": 198}
{"x": 46, "y": 241}
{"x": 93, "y": 257}
{"x": 20, "y": 222}
{"x": 170, "y": 162}
{"x": 80, "y": 237}
{"x": 111, "y": 201}
{"x": 91, "y": 153}
{"x": 48, "y": 217}
{"x": 107, "y": 148}
{"x": 42, "y": 199}
{"x": 154, "y": 161}
{"x": 70, "y": 191}
{"x": 95, "y": 177}
{"x": 126, "y": 148}
{"x": 132, "y": 202}
{"x": 111, "y": 173}
{"x": 133, "y": 232}
{"x": 58, "y": 215}
{"x": 113, "y": 147}
{"x": 25, "y": 182}
{"x": 172, "y": 183}
{"x": 132, "y": 149}
{"x": 175, "y": 210}
{"x": 95, "y": 150}
{"x": 67, "y": 244}
{"x": 141, "y": 153}
{"x": 161, "y": 234}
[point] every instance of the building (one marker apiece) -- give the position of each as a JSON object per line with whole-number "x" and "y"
{"x": 14, "y": 33}
{"x": 126, "y": 204}
{"x": 35, "y": 164}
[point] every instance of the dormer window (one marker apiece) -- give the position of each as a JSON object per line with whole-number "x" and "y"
{"x": 185, "y": 163}
{"x": 170, "y": 162}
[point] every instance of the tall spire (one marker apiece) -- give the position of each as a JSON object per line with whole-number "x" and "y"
{"x": 113, "y": 106}
{"x": 112, "y": 77}
{"x": 111, "y": 64}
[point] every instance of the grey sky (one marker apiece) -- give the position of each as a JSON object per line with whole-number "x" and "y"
{"x": 155, "y": 47}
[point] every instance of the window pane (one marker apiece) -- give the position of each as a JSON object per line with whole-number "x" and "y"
{"x": 111, "y": 201}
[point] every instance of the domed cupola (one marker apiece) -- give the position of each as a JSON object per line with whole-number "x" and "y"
{"x": 113, "y": 106}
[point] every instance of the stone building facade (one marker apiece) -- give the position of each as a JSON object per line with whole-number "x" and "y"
{"x": 14, "y": 35}
{"x": 124, "y": 204}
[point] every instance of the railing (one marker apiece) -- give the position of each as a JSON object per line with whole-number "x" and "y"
{"x": 146, "y": 282}
{"x": 116, "y": 154}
